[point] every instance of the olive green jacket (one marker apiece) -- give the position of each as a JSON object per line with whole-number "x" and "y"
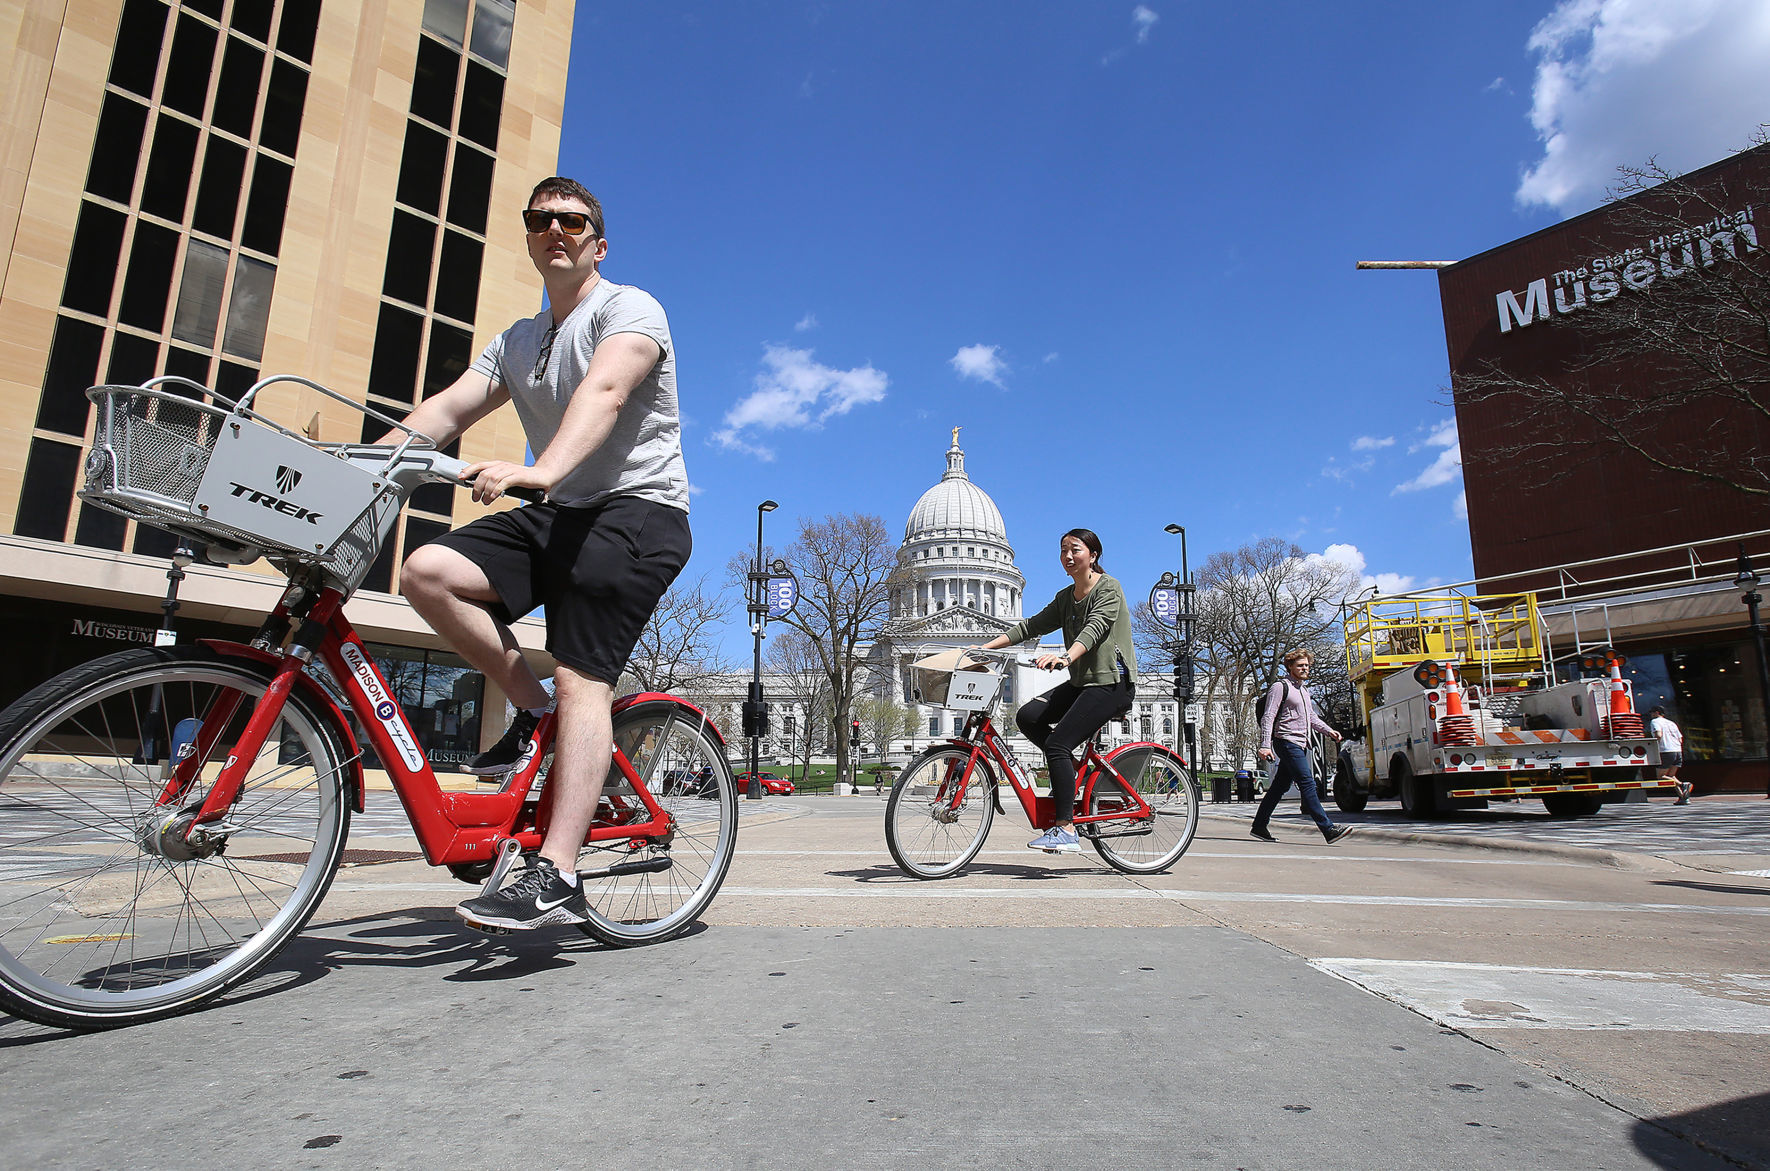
{"x": 1101, "y": 623}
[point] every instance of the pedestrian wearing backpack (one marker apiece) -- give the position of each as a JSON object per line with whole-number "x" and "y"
{"x": 1284, "y": 733}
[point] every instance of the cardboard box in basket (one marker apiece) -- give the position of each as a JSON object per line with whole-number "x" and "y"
{"x": 955, "y": 679}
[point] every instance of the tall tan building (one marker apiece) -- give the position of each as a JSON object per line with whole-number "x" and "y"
{"x": 227, "y": 189}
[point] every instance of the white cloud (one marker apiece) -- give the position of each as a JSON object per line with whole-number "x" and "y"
{"x": 1051, "y": 357}
{"x": 984, "y": 363}
{"x": 1144, "y": 18}
{"x": 1446, "y": 467}
{"x": 1372, "y": 443}
{"x": 793, "y": 390}
{"x": 1352, "y": 558}
{"x": 1622, "y": 81}
{"x": 1460, "y": 506}
{"x": 809, "y": 321}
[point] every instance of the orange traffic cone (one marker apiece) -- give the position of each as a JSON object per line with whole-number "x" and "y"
{"x": 1622, "y": 723}
{"x": 1456, "y": 726}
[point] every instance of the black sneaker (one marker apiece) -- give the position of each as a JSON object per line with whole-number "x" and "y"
{"x": 1261, "y": 832}
{"x": 540, "y": 897}
{"x": 508, "y": 752}
{"x": 1338, "y": 832}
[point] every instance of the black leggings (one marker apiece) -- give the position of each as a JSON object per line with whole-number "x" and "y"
{"x": 1060, "y": 720}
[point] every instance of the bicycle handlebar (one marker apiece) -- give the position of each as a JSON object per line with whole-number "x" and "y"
{"x": 450, "y": 469}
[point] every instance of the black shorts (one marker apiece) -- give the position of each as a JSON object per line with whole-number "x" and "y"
{"x": 599, "y": 571}
{"x": 1670, "y": 759}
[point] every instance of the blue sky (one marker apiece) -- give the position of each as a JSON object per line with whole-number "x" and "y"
{"x": 1114, "y": 242}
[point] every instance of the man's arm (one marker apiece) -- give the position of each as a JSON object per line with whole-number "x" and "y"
{"x": 445, "y": 415}
{"x": 621, "y": 363}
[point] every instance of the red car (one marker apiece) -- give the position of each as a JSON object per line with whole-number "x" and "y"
{"x": 777, "y": 786}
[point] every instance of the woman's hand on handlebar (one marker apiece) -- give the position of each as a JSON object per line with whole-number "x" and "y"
{"x": 1051, "y": 662}
{"x": 493, "y": 478}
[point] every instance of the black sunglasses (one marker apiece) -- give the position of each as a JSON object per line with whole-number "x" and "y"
{"x": 572, "y": 223}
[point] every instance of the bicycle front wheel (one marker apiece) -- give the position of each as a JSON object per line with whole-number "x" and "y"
{"x": 1149, "y": 844}
{"x": 110, "y": 912}
{"x": 939, "y": 812}
{"x": 682, "y": 765}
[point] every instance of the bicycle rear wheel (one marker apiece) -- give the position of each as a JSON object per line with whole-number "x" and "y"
{"x": 1150, "y": 844}
{"x": 682, "y": 764}
{"x": 108, "y": 914}
{"x": 937, "y": 816}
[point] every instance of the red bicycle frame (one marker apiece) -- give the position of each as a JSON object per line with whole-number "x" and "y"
{"x": 980, "y": 739}
{"x": 452, "y": 828}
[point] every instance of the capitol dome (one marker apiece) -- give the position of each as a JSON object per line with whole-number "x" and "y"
{"x": 955, "y": 508}
{"x": 956, "y": 572}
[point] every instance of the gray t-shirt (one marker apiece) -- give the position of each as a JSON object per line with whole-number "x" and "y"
{"x": 642, "y": 456}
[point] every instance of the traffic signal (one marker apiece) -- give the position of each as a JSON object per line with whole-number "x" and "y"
{"x": 855, "y": 727}
{"x": 1184, "y": 679}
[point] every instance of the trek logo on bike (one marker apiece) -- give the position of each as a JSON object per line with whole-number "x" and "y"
{"x": 287, "y": 479}
{"x": 386, "y": 710}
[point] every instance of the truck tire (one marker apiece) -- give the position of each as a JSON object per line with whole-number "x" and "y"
{"x": 1572, "y": 804}
{"x": 1418, "y": 799}
{"x": 1348, "y": 797}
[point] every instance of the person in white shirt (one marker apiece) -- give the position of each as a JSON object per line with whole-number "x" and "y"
{"x": 1671, "y": 750}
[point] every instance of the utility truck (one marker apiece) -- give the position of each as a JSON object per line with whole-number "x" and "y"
{"x": 1460, "y": 705}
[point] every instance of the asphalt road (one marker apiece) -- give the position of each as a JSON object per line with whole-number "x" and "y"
{"x": 1384, "y": 1003}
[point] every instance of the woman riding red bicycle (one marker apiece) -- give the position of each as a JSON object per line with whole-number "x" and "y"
{"x": 1102, "y": 663}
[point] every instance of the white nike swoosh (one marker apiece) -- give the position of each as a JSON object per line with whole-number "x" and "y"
{"x": 541, "y": 906}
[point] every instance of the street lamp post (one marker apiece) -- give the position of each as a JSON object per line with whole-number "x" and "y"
{"x": 755, "y": 710}
{"x": 1183, "y": 662}
{"x": 1747, "y": 580}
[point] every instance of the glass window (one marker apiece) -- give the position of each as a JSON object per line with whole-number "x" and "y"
{"x": 92, "y": 261}
{"x": 301, "y": 20}
{"x": 199, "y": 294}
{"x": 248, "y": 309}
{"x": 380, "y": 575}
{"x": 189, "y": 365}
{"x": 446, "y": 19}
{"x": 173, "y": 158}
{"x": 421, "y": 168}
{"x": 934, "y": 725}
{"x": 421, "y": 532}
{"x": 451, "y": 352}
{"x": 72, "y": 367}
{"x": 393, "y": 369}
{"x": 433, "y": 83}
{"x": 206, "y": 7}
{"x": 218, "y": 191}
{"x": 48, "y": 490}
{"x": 481, "y": 99}
{"x": 252, "y": 17}
{"x": 99, "y": 528}
{"x": 470, "y": 189}
{"x": 147, "y": 282}
{"x": 134, "y": 359}
{"x": 116, "y": 148}
{"x": 152, "y": 542}
{"x": 492, "y": 20}
{"x": 457, "y": 286}
{"x": 236, "y": 94}
{"x": 266, "y": 205}
{"x": 233, "y": 380}
{"x": 281, "y": 130}
{"x": 409, "y": 246}
{"x": 137, "y": 56}
{"x": 1167, "y": 727}
{"x": 187, "y": 71}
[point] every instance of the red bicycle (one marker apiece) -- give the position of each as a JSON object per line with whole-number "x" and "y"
{"x": 172, "y": 816}
{"x": 1137, "y": 804}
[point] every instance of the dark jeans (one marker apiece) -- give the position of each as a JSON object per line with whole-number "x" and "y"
{"x": 1058, "y": 721}
{"x": 1293, "y": 765}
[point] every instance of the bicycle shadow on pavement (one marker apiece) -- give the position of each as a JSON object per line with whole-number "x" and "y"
{"x": 1736, "y": 1130}
{"x": 1045, "y": 873}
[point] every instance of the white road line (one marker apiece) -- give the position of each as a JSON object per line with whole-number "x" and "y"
{"x": 1493, "y": 996}
{"x": 1753, "y": 873}
{"x": 1251, "y": 854}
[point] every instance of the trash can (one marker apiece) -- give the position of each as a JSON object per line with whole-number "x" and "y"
{"x": 1244, "y": 785}
{"x": 1220, "y": 789}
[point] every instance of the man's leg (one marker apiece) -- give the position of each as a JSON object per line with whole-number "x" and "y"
{"x": 451, "y": 593}
{"x": 1281, "y": 784}
{"x": 582, "y": 748}
{"x": 1297, "y": 759}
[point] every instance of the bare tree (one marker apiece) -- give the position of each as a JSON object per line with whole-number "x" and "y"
{"x": 1663, "y": 353}
{"x": 882, "y": 720}
{"x": 679, "y": 646}
{"x": 793, "y": 661}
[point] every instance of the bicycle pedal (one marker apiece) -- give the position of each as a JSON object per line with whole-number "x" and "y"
{"x": 488, "y": 929}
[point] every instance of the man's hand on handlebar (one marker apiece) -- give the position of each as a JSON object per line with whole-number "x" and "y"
{"x": 496, "y": 477}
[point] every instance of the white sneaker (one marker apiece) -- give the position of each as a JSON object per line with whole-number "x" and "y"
{"x": 1057, "y": 841}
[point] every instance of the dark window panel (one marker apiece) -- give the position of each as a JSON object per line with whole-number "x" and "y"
{"x": 174, "y": 156}
{"x": 457, "y": 283}
{"x": 282, "y": 109}
{"x": 232, "y": 379}
{"x": 137, "y": 56}
{"x": 393, "y": 368}
{"x": 252, "y": 17}
{"x": 492, "y": 21}
{"x": 409, "y": 245}
{"x": 152, "y": 542}
{"x": 470, "y": 189}
{"x": 421, "y": 166}
{"x": 374, "y": 428}
{"x": 447, "y": 19}
{"x": 218, "y": 192}
{"x": 433, "y": 85}
{"x": 421, "y": 532}
{"x": 99, "y": 528}
{"x": 437, "y": 498}
{"x": 199, "y": 293}
{"x": 48, "y": 491}
{"x": 248, "y": 308}
{"x": 301, "y": 20}
{"x": 236, "y": 94}
{"x": 187, "y": 364}
{"x": 380, "y": 575}
{"x": 147, "y": 281}
{"x": 116, "y": 148}
{"x": 451, "y": 352}
{"x": 481, "y": 99}
{"x": 210, "y": 8}
{"x": 134, "y": 359}
{"x": 73, "y": 366}
{"x": 92, "y": 261}
{"x": 265, "y": 208}
{"x": 188, "y": 69}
